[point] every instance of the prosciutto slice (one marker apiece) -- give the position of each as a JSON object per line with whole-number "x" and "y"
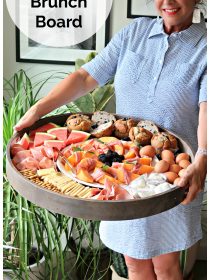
{"x": 28, "y": 163}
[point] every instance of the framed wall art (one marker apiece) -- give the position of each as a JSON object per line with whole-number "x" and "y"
{"x": 141, "y": 8}
{"x": 30, "y": 51}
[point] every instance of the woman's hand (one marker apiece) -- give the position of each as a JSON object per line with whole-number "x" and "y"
{"x": 30, "y": 117}
{"x": 194, "y": 178}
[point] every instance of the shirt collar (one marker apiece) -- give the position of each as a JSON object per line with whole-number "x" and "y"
{"x": 191, "y": 35}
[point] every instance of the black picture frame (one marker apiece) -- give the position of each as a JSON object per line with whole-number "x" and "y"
{"x": 21, "y": 58}
{"x": 131, "y": 14}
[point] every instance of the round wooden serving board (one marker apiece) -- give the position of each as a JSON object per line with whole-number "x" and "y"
{"x": 90, "y": 208}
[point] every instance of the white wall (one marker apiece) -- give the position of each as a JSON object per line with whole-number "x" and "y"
{"x": 118, "y": 19}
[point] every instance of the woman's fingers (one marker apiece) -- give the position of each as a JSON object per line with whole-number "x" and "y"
{"x": 27, "y": 120}
{"x": 191, "y": 195}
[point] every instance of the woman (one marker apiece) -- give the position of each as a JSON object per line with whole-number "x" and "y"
{"x": 160, "y": 74}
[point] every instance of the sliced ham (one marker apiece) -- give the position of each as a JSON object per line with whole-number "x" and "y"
{"x": 15, "y": 148}
{"x": 122, "y": 194}
{"x": 136, "y": 151}
{"x": 78, "y": 156}
{"x": 112, "y": 191}
{"x": 116, "y": 164}
{"x": 48, "y": 152}
{"x": 46, "y": 163}
{"x": 126, "y": 175}
{"x": 37, "y": 153}
{"x": 87, "y": 163}
{"x": 95, "y": 191}
{"x": 112, "y": 171}
{"x": 97, "y": 174}
{"x": 21, "y": 155}
{"x": 132, "y": 159}
{"x": 28, "y": 163}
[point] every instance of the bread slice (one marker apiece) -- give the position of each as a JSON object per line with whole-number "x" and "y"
{"x": 148, "y": 125}
{"x": 101, "y": 117}
{"x": 102, "y": 130}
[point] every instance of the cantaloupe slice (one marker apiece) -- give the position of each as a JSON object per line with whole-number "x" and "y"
{"x": 145, "y": 161}
{"x": 145, "y": 169}
{"x": 84, "y": 175}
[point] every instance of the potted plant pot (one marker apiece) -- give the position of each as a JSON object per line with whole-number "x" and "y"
{"x": 34, "y": 269}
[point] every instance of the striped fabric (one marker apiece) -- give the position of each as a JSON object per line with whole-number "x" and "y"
{"x": 162, "y": 78}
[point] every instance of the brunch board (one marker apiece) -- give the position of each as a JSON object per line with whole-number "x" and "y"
{"x": 62, "y": 193}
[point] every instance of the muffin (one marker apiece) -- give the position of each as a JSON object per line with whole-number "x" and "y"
{"x": 103, "y": 130}
{"x": 164, "y": 141}
{"x": 140, "y": 136}
{"x": 79, "y": 122}
{"x": 122, "y": 127}
{"x": 149, "y": 126}
{"x": 101, "y": 117}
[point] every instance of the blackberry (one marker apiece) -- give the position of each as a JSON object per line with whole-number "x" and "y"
{"x": 102, "y": 158}
{"x": 94, "y": 126}
{"x": 109, "y": 153}
{"x": 115, "y": 159}
{"x": 158, "y": 156}
{"x": 121, "y": 157}
{"x": 126, "y": 139}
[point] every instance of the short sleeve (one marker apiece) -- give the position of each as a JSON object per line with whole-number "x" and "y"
{"x": 103, "y": 67}
{"x": 203, "y": 88}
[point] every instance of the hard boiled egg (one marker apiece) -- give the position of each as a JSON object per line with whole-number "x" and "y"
{"x": 148, "y": 151}
{"x": 182, "y": 156}
{"x": 175, "y": 168}
{"x": 161, "y": 166}
{"x": 168, "y": 156}
{"x": 184, "y": 163}
{"x": 171, "y": 176}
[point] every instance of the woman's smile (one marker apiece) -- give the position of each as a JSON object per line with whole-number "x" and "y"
{"x": 177, "y": 14}
{"x": 171, "y": 12}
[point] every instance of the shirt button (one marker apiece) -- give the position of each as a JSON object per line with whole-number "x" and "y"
{"x": 155, "y": 78}
{"x": 160, "y": 61}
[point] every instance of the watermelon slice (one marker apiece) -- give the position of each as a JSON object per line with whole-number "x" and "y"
{"x": 24, "y": 141}
{"x": 40, "y": 137}
{"x": 58, "y": 144}
{"x": 43, "y": 128}
{"x": 59, "y": 132}
{"x": 77, "y": 136}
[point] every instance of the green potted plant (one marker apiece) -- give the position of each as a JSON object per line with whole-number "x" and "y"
{"x": 26, "y": 224}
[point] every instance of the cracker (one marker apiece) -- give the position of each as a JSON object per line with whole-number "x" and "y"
{"x": 44, "y": 172}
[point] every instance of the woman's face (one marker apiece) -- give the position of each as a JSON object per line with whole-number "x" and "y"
{"x": 177, "y": 14}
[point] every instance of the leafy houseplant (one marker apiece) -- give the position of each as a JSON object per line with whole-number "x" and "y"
{"x": 26, "y": 224}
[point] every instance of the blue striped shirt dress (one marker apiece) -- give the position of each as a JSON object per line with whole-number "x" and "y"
{"x": 162, "y": 78}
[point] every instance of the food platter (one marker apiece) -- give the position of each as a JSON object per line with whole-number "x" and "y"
{"x": 89, "y": 208}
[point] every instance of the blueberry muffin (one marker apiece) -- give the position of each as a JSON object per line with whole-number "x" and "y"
{"x": 79, "y": 122}
{"x": 102, "y": 130}
{"x": 149, "y": 126}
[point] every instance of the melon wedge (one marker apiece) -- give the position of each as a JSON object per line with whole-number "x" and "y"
{"x": 77, "y": 136}
{"x": 108, "y": 139}
{"x": 25, "y": 141}
{"x": 40, "y": 137}
{"x": 43, "y": 128}
{"x": 61, "y": 133}
{"x": 58, "y": 144}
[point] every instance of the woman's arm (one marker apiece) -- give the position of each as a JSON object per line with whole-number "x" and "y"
{"x": 196, "y": 172}
{"x": 72, "y": 87}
